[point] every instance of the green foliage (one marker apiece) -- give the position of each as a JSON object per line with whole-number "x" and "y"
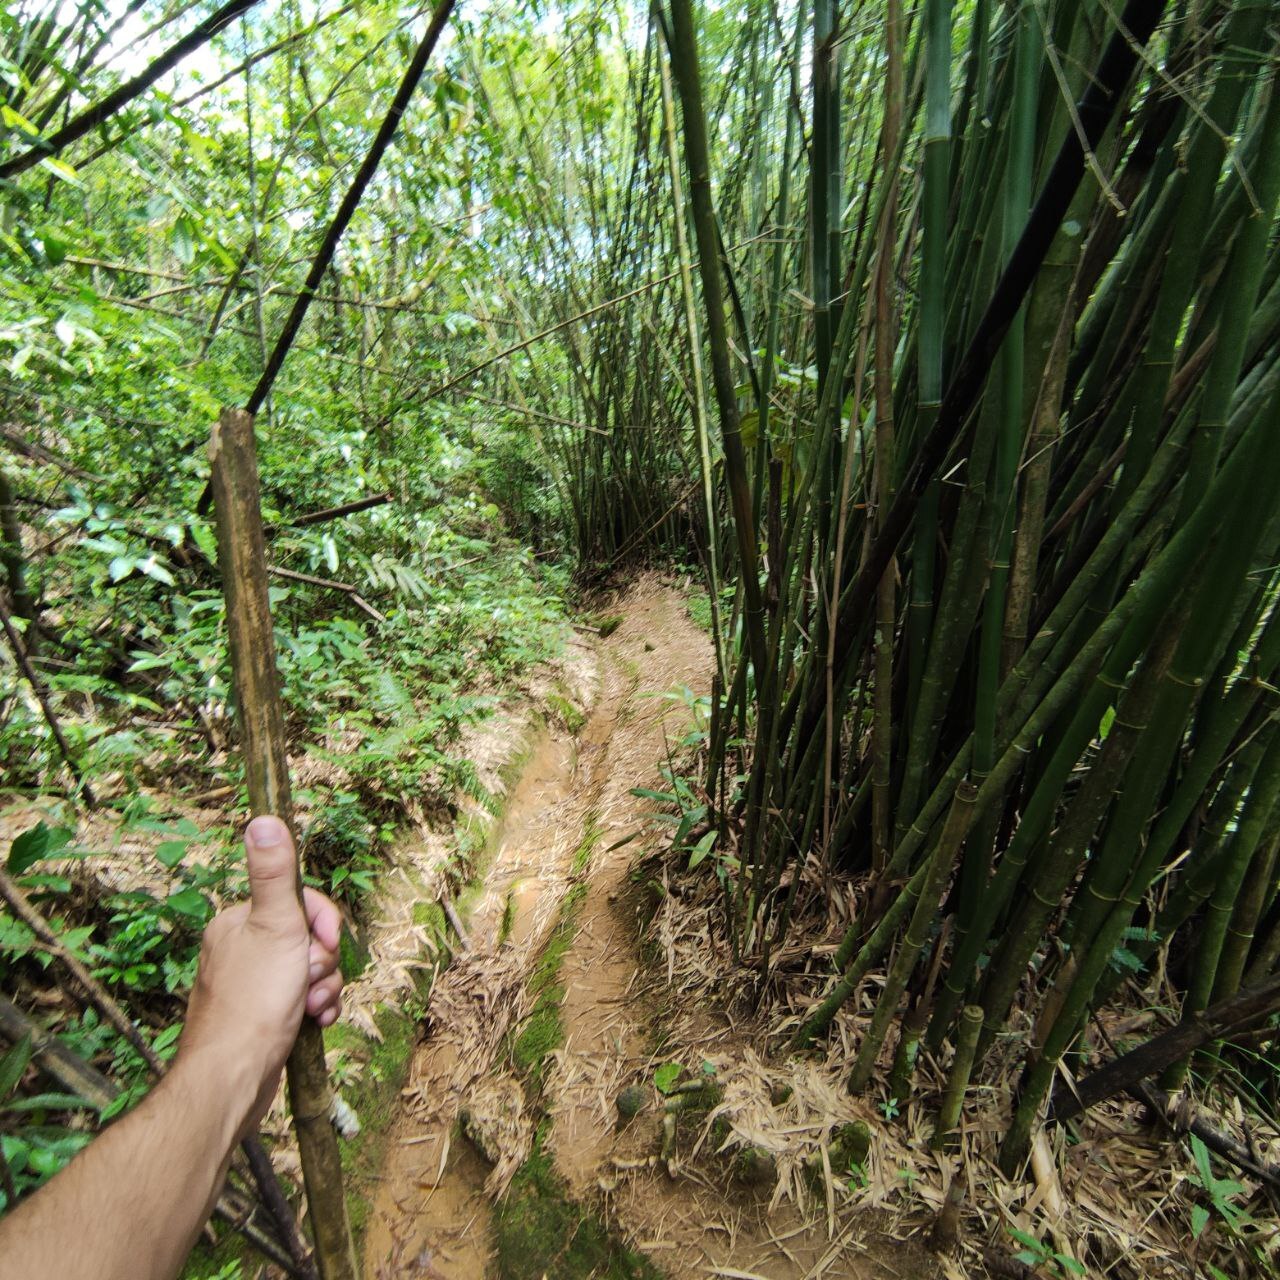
{"x": 1220, "y": 1192}
{"x": 1034, "y": 1253}
{"x": 667, "y": 1076}
{"x": 39, "y": 1149}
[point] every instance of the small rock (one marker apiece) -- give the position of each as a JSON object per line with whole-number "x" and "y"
{"x": 631, "y": 1101}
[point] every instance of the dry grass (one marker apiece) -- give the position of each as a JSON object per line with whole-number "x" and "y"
{"x": 1118, "y": 1199}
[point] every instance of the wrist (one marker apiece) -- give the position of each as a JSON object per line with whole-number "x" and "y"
{"x": 222, "y": 1083}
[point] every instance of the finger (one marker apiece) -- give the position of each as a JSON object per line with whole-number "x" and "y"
{"x": 324, "y": 994}
{"x": 273, "y": 873}
{"x": 323, "y": 918}
{"x": 327, "y": 1017}
{"x": 321, "y": 962}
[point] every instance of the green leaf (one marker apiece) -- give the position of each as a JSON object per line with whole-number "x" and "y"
{"x": 150, "y": 661}
{"x": 666, "y": 1077}
{"x": 55, "y": 248}
{"x": 16, "y": 120}
{"x": 154, "y": 569}
{"x": 51, "y": 1102}
{"x": 647, "y": 793}
{"x": 121, "y": 567}
{"x": 60, "y": 169}
{"x": 184, "y": 248}
{"x": 171, "y": 852}
{"x": 1199, "y": 1220}
{"x": 13, "y": 1065}
{"x": 1200, "y": 1153}
{"x": 188, "y": 902}
{"x": 701, "y": 849}
{"x": 40, "y": 842}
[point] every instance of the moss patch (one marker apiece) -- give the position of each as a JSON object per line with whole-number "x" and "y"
{"x": 541, "y": 1032}
{"x": 539, "y": 1231}
{"x": 698, "y": 603}
{"x": 564, "y": 711}
{"x": 373, "y": 1093}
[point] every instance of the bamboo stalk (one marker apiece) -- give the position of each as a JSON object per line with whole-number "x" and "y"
{"x": 939, "y": 868}
{"x": 242, "y": 560}
{"x": 971, "y": 1021}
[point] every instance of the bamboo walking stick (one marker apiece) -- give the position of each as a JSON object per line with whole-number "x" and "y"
{"x": 243, "y": 562}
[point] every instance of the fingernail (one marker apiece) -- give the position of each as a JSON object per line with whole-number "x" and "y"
{"x": 315, "y": 972}
{"x": 266, "y": 832}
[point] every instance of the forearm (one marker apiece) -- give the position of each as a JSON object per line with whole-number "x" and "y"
{"x": 131, "y": 1205}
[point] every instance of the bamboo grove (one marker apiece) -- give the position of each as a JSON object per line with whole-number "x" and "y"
{"x": 990, "y": 306}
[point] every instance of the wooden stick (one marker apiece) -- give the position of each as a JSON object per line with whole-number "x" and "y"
{"x": 243, "y": 562}
{"x": 346, "y": 588}
{"x": 46, "y": 707}
{"x": 78, "y": 1077}
{"x": 96, "y": 995}
{"x": 334, "y": 513}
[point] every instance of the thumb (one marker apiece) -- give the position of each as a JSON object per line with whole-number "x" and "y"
{"x": 273, "y": 873}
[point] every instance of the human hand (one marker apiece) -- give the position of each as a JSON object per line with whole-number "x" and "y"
{"x": 262, "y": 963}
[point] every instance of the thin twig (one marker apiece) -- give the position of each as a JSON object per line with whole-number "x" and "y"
{"x": 46, "y": 707}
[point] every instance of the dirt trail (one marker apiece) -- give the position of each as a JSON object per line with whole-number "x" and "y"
{"x": 430, "y": 1215}
{"x": 570, "y": 821}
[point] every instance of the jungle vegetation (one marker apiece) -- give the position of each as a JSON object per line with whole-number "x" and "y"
{"x": 943, "y": 339}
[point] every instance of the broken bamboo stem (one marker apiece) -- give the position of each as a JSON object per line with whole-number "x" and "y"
{"x": 335, "y": 513}
{"x": 243, "y": 562}
{"x": 1216, "y": 1023}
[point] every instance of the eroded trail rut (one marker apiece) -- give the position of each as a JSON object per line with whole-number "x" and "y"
{"x": 430, "y": 1215}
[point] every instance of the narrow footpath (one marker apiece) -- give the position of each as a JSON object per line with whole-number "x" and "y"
{"x": 430, "y": 1215}
{"x": 558, "y": 889}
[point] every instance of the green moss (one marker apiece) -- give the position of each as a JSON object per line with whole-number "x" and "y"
{"x": 541, "y": 1031}
{"x": 430, "y": 914}
{"x": 539, "y": 1231}
{"x": 373, "y": 1093}
{"x": 566, "y": 712}
{"x": 590, "y": 838}
{"x": 607, "y": 624}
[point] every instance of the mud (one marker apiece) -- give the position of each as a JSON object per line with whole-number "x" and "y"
{"x": 573, "y": 819}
